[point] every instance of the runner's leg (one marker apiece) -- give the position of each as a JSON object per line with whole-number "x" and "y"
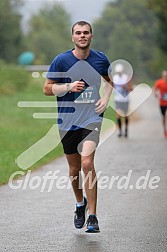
{"x": 119, "y": 121}
{"x": 126, "y": 126}
{"x": 88, "y": 152}
{"x": 163, "y": 113}
{"x": 74, "y": 161}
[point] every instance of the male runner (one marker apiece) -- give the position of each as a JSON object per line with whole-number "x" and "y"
{"x": 80, "y": 109}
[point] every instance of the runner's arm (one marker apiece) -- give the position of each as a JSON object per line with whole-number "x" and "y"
{"x": 102, "y": 104}
{"x": 50, "y": 85}
{"x": 128, "y": 87}
{"x": 53, "y": 88}
{"x": 107, "y": 88}
{"x": 156, "y": 90}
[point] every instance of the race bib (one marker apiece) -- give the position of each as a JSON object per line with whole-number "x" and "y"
{"x": 164, "y": 97}
{"x": 86, "y": 96}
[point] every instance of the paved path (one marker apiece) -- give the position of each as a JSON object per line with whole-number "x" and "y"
{"x": 131, "y": 220}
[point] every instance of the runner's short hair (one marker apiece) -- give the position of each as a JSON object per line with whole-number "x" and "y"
{"x": 82, "y": 23}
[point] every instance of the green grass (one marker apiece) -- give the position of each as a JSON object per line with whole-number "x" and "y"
{"x": 19, "y": 130}
{"x": 12, "y": 78}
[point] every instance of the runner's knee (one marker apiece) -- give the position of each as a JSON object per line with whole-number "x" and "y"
{"x": 74, "y": 171}
{"x": 87, "y": 165}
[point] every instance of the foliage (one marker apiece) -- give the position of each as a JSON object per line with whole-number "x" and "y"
{"x": 10, "y": 30}
{"x": 123, "y": 31}
{"x": 158, "y": 64}
{"x": 160, "y": 9}
{"x": 49, "y": 33}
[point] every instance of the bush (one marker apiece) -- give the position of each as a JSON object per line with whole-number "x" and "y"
{"x": 12, "y": 78}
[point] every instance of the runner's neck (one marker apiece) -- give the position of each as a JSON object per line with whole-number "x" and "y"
{"x": 80, "y": 53}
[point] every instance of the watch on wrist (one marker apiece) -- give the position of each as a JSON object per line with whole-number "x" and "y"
{"x": 68, "y": 87}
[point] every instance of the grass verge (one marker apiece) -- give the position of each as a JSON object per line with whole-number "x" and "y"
{"x": 19, "y": 130}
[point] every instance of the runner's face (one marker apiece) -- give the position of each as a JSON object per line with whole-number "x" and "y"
{"x": 82, "y": 36}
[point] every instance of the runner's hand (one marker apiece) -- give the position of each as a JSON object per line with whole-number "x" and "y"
{"x": 77, "y": 86}
{"x": 101, "y": 106}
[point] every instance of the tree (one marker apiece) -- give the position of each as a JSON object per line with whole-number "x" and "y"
{"x": 10, "y": 30}
{"x": 123, "y": 31}
{"x": 117, "y": 51}
{"x": 49, "y": 33}
{"x": 160, "y": 9}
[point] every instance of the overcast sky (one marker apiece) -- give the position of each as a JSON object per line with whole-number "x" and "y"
{"x": 80, "y": 10}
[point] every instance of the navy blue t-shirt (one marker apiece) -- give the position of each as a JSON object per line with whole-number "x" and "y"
{"x": 78, "y": 109}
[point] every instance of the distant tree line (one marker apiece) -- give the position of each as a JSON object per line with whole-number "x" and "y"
{"x": 48, "y": 34}
{"x": 132, "y": 30}
{"x": 159, "y": 7}
{"x": 11, "y": 36}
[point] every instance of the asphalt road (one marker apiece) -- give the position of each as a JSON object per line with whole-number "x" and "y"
{"x": 132, "y": 209}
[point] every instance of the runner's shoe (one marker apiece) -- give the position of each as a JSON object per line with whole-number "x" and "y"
{"x": 79, "y": 218}
{"x": 92, "y": 224}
